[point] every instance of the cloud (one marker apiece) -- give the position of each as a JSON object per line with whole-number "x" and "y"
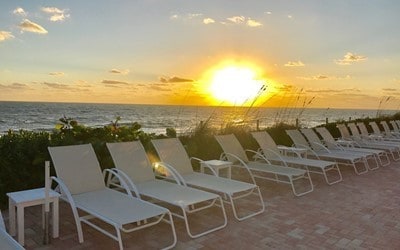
{"x": 56, "y": 73}
{"x": 5, "y": 35}
{"x": 324, "y": 77}
{"x": 294, "y": 64}
{"x": 329, "y": 91}
{"x": 14, "y": 86}
{"x": 237, "y": 19}
{"x": 389, "y": 90}
{"x": 208, "y": 20}
{"x": 19, "y": 11}
{"x": 118, "y": 71}
{"x": 350, "y": 58}
{"x": 57, "y": 15}
{"x": 58, "y": 85}
{"x": 253, "y": 23}
{"x": 186, "y": 17}
{"x": 29, "y": 26}
{"x": 174, "y": 79}
{"x": 268, "y": 12}
{"x": 243, "y": 20}
{"x": 114, "y": 82}
{"x": 159, "y": 87}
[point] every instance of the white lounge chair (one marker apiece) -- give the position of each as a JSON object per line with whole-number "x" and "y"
{"x": 359, "y": 141}
{"x": 376, "y": 135}
{"x": 320, "y": 151}
{"x": 389, "y": 133}
{"x": 132, "y": 163}
{"x": 386, "y": 135}
{"x": 82, "y": 184}
{"x": 173, "y": 154}
{"x": 380, "y": 156}
{"x": 262, "y": 168}
{"x": 270, "y": 150}
{"x": 6, "y": 241}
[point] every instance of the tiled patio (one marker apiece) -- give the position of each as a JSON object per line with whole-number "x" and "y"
{"x": 362, "y": 212}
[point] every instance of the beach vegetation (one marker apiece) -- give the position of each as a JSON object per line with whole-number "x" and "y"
{"x": 23, "y": 153}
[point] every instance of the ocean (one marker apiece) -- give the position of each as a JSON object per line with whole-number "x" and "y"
{"x": 36, "y": 116}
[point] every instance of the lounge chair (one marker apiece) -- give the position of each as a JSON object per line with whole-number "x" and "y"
{"x": 132, "y": 163}
{"x": 380, "y": 156}
{"x": 395, "y": 126}
{"x": 270, "y": 150}
{"x": 389, "y": 133}
{"x": 319, "y": 151}
{"x": 6, "y": 241}
{"x": 376, "y": 135}
{"x": 173, "y": 154}
{"x": 82, "y": 184}
{"x": 261, "y": 167}
{"x": 359, "y": 141}
{"x": 386, "y": 135}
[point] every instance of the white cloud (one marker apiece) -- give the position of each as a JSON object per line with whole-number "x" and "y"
{"x": 20, "y": 11}
{"x": 243, "y": 20}
{"x": 174, "y": 17}
{"x": 237, "y": 19}
{"x": 268, "y": 12}
{"x": 29, "y": 26}
{"x": 118, "y": 71}
{"x": 5, "y": 35}
{"x": 56, "y": 73}
{"x": 350, "y": 58}
{"x": 253, "y": 23}
{"x": 208, "y": 20}
{"x": 56, "y": 14}
{"x": 294, "y": 64}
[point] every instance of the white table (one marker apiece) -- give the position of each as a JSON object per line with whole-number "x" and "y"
{"x": 298, "y": 151}
{"x": 26, "y": 198}
{"x": 217, "y": 165}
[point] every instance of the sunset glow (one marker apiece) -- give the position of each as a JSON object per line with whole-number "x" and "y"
{"x": 343, "y": 54}
{"x": 235, "y": 85}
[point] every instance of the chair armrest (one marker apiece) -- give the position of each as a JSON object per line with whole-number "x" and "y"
{"x": 124, "y": 181}
{"x": 172, "y": 171}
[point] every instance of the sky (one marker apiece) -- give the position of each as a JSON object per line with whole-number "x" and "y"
{"x": 302, "y": 53}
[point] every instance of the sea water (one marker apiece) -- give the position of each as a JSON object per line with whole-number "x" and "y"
{"x": 156, "y": 118}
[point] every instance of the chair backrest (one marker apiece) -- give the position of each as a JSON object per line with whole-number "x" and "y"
{"x": 375, "y": 128}
{"x": 344, "y": 132}
{"x": 386, "y": 127}
{"x": 172, "y": 152}
{"x": 131, "y": 158}
{"x": 231, "y": 145}
{"x": 395, "y": 126}
{"x": 298, "y": 139}
{"x": 354, "y": 130}
{"x": 77, "y": 166}
{"x": 398, "y": 124}
{"x": 313, "y": 138}
{"x": 265, "y": 142}
{"x": 2, "y": 226}
{"x": 325, "y": 134}
{"x": 363, "y": 128}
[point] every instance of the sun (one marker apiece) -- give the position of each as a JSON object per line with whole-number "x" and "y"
{"x": 235, "y": 85}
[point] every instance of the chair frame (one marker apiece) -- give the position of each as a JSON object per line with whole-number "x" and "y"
{"x": 186, "y": 209}
{"x": 253, "y": 169}
{"x": 301, "y": 142}
{"x": 68, "y": 197}
{"x": 312, "y": 165}
{"x": 228, "y": 197}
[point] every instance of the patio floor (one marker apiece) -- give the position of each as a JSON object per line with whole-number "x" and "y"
{"x": 361, "y": 212}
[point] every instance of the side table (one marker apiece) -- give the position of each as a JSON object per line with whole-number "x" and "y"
{"x": 26, "y": 198}
{"x": 217, "y": 165}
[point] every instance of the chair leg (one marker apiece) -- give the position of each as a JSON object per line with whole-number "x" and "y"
{"x": 231, "y": 200}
